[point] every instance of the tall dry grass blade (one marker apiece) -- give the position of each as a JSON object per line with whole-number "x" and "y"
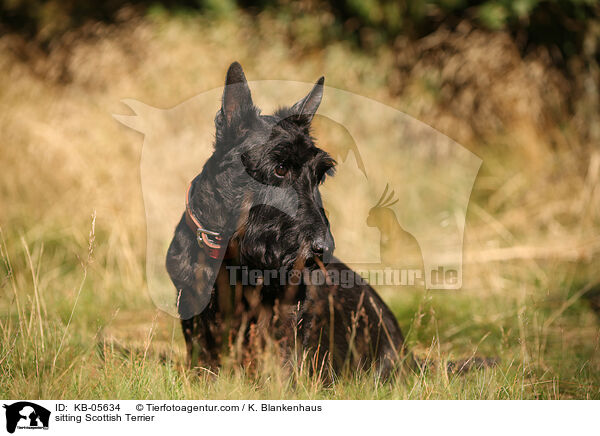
{"x": 331, "y": 329}
{"x": 8, "y": 265}
{"x": 37, "y": 278}
{"x": 36, "y": 293}
{"x": 10, "y": 348}
{"x": 354, "y": 317}
{"x": 291, "y": 289}
{"x": 91, "y": 239}
{"x": 319, "y": 262}
{"x": 149, "y": 339}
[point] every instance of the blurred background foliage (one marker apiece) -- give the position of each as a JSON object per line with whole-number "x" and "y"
{"x": 560, "y": 25}
{"x": 556, "y": 41}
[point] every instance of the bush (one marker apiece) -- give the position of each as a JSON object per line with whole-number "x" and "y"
{"x": 560, "y": 24}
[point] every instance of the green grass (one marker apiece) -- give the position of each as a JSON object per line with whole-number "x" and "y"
{"x": 92, "y": 342}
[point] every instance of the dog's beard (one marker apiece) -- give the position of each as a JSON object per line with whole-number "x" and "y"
{"x": 263, "y": 255}
{"x": 273, "y": 241}
{"x": 269, "y": 240}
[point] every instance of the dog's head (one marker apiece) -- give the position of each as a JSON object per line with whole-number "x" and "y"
{"x": 261, "y": 185}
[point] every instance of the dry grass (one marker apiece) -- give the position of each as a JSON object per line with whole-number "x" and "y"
{"x": 76, "y": 319}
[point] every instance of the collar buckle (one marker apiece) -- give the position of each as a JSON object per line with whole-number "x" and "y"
{"x": 209, "y": 238}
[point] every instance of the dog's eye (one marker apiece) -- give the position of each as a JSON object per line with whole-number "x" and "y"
{"x": 281, "y": 170}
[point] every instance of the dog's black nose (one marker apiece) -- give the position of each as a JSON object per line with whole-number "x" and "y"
{"x": 320, "y": 247}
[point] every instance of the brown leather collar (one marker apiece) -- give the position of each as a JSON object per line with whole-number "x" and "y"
{"x": 210, "y": 241}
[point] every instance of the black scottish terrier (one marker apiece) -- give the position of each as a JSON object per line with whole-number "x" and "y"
{"x": 256, "y": 206}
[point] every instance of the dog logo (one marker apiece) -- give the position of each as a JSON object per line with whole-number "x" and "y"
{"x": 26, "y": 415}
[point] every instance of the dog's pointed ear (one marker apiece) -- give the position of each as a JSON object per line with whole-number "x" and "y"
{"x": 236, "y": 95}
{"x": 308, "y": 105}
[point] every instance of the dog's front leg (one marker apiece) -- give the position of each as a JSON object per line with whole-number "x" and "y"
{"x": 193, "y": 275}
{"x": 200, "y": 344}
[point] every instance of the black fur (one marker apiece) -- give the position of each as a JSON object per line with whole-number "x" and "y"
{"x": 272, "y": 222}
